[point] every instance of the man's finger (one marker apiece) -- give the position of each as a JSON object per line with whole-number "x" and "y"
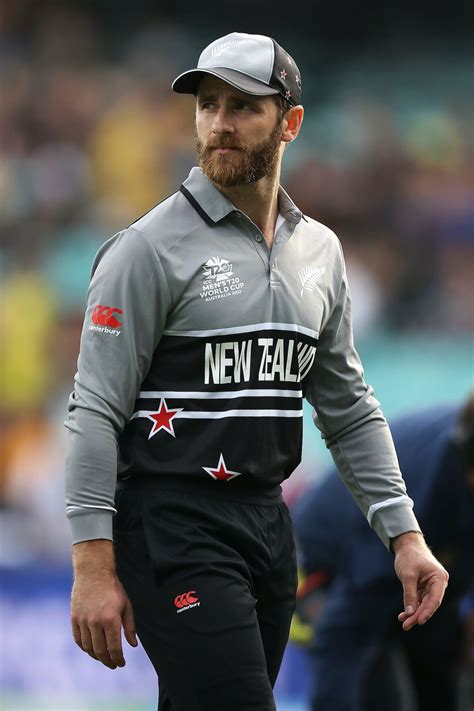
{"x": 128, "y": 623}
{"x": 100, "y": 647}
{"x": 76, "y": 633}
{"x": 409, "y": 621}
{"x": 86, "y": 639}
{"x": 430, "y": 602}
{"x": 114, "y": 641}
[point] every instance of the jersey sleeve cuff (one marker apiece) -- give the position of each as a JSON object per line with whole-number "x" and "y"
{"x": 394, "y": 520}
{"x": 91, "y": 526}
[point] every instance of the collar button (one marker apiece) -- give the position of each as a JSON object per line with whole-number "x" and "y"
{"x": 258, "y": 238}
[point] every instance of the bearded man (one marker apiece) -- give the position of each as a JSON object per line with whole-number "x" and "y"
{"x": 208, "y": 321}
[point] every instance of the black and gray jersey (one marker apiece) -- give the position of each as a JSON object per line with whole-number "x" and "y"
{"x": 200, "y": 344}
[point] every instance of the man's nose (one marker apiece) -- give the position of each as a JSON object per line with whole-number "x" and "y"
{"x": 222, "y": 121}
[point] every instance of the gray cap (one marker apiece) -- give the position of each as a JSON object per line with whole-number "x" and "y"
{"x": 254, "y": 64}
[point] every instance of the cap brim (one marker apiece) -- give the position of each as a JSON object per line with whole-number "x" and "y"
{"x": 188, "y": 82}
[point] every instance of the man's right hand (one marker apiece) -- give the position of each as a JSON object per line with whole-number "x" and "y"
{"x": 100, "y": 605}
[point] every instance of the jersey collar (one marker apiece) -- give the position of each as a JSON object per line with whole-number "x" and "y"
{"x": 216, "y": 206}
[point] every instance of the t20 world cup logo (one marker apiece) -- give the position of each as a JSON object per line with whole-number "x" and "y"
{"x": 216, "y": 270}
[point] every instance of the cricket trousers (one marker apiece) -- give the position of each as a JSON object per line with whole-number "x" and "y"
{"x": 211, "y": 575}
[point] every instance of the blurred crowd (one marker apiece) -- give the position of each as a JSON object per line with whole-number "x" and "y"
{"x": 91, "y": 137}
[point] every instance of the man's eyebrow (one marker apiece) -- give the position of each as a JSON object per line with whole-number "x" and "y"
{"x": 206, "y": 97}
{"x": 237, "y": 99}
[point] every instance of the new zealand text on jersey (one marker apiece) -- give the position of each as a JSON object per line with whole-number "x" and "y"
{"x": 276, "y": 359}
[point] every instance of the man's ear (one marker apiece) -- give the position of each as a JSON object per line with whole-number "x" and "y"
{"x": 292, "y": 121}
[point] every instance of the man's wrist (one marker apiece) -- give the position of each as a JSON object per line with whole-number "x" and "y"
{"x": 94, "y": 557}
{"x": 407, "y": 538}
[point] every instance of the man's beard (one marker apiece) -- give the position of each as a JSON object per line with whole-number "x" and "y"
{"x": 245, "y": 165}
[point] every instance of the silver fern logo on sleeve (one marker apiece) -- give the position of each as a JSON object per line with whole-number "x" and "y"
{"x": 309, "y": 277}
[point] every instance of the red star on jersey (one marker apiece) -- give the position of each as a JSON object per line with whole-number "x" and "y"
{"x": 221, "y": 472}
{"x": 162, "y": 420}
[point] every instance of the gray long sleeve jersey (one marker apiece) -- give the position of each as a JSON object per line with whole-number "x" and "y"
{"x": 199, "y": 344}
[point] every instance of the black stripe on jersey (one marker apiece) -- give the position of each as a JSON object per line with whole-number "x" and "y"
{"x": 192, "y": 200}
{"x": 229, "y": 359}
{"x": 217, "y": 405}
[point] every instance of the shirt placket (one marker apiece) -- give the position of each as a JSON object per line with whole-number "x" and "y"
{"x": 253, "y": 233}
{"x": 268, "y": 256}
{"x": 281, "y": 238}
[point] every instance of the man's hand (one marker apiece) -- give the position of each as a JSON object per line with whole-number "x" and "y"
{"x": 99, "y": 604}
{"x": 423, "y": 578}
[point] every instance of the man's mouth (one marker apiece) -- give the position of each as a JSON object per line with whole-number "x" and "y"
{"x": 223, "y": 150}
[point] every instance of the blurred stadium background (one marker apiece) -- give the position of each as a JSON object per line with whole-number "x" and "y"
{"x": 91, "y": 137}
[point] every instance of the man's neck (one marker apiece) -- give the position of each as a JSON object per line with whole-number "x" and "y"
{"x": 259, "y": 201}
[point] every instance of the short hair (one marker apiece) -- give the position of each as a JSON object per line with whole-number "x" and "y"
{"x": 282, "y": 106}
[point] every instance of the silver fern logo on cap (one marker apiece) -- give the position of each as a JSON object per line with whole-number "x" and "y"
{"x": 309, "y": 277}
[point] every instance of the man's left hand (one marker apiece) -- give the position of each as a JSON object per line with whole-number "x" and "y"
{"x": 423, "y": 578}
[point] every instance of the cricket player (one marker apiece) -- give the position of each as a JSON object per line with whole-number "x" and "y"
{"x": 208, "y": 321}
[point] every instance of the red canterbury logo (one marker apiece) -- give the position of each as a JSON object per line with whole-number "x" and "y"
{"x": 186, "y": 599}
{"x": 104, "y": 316}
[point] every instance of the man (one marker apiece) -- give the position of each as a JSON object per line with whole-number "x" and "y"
{"x": 208, "y": 320}
{"x": 359, "y": 659}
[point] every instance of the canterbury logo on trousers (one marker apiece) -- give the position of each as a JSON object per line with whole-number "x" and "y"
{"x": 186, "y": 600}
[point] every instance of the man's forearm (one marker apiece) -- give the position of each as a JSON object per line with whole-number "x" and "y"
{"x": 93, "y": 557}
{"x": 91, "y": 473}
{"x": 367, "y": 461}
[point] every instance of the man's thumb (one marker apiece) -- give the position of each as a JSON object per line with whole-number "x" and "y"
{"x": 128, "y": 622}
{"x": 410, "y": 601}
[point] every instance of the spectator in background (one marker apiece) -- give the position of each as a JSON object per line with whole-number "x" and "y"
{"x": 358, "y": 655}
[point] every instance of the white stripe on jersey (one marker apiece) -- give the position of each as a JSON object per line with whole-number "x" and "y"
{"x": 219, "y": 414}
{"x": 251, "y": 328}
{"x": 218, "y": 395}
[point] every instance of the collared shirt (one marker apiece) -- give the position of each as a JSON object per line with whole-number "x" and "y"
{"x": 199, "y": 345}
